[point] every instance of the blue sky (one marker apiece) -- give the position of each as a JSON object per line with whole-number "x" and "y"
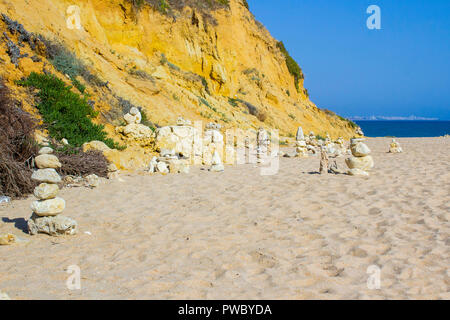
{"x": 401, "y": 70}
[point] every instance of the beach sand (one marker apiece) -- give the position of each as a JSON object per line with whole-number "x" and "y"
{"x": 240, "y": 235}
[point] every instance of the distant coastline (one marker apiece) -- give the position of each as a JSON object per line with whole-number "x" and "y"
{"x": 404, "y": 128}
{"x": 392, "y": 118}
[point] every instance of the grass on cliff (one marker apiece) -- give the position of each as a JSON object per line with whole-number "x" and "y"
{"x": 292, "y": 65}
{"x": 68, "y": 64}
{"x": 65, "y": 113}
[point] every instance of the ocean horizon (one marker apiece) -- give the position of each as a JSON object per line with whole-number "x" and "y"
{"x": 404, "y": 128}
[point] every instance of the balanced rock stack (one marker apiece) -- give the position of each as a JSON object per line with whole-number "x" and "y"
{"x": 47, "y": 209}
{"x": 212, "y": 141}
{"x": 395, "y": 147}
{"x": 340, "y": 146}
{"x": 262, "y": 147}
{"x": 361, "y": 161}
{"x": 324, "y": 161}
{"x": 134, "y": 131}
{"x": 133, "y": 117}
{"x": 217, "y": 165}
{"x": 300, "y": 144}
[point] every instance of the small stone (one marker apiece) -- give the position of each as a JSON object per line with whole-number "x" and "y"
{"x": 45, "y": 161}
{"x": 290, "y": 154}
{"x": 183, "y": 122}
{"x": 167, "y": 152}
{"x": 46, "y": 175}
{"x": 7, "y": 239}
{"x": 217, "y": 168}
{"x": 95, "y": 146}
{"x": 92, "y": 181}
{"x": 134, "y": 111}
{"x": 162, "y": 167}
{"x": 50, "y": 207}
{"x": 46, "y": 191}
{"x": 4, "y": 296}
{"x": 113, "y": 175}
{"x": 53, "y": 226}
{"x": 64, "y": 141}
{"x": 112, "y": 167}
{"x": 46, "y": 150}
{"x": 153, "y": 165}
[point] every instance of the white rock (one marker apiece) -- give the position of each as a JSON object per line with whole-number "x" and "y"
{"x": 46, "y": 191}
{"x": 364, "y": 163}
{"x": 46, "y": 150}
{"x": 162, "y": 167}
{"x": 217, "y": 165}
{"x": 134, "y": 111}
{"x": 112, "y": 167}
{"x": 213, "y": 126}
{"x": 4, "y": 296}
{"x": 360, "y": 149}
{"x": 216, "y": 158}
{"x": 53, "y": 226}
{"x": 358, "y": 172}
{"x": 153, "y": 165}
{"x": 45, "y": 161}
{"x": 183, "y": 122}
{"x": 300, "y": 136}
{"x": 50, "y": 207}
{"x": 46, "y": 175}
{"x": 64, "y": 141}
{"x": 217, "y": 168}
{"x": 92, "y": 181}
{"x": 167, "y": 152}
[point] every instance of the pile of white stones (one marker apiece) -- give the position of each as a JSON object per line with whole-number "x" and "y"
{"x": 395, "y": 147}
{"x": 46, "y": 216}
{"x": 300, "y": 144}
{"x": 262, "y": 145}
{"x": 133, "y": 117}
{"x": 169, "y": 162}
{"x": 341, "y": 147}
{"x": 361, "y": 162}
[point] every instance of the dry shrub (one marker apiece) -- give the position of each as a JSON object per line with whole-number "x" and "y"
{"x": 83, "y": 163}
{"x": 17, "y": 147}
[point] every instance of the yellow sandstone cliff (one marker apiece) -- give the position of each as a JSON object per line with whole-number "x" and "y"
{"x": 212, "y": 64}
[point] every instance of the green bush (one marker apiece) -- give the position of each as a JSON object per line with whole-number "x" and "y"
{"x": 292, "y": 65}
{"x": 65, "y": 113}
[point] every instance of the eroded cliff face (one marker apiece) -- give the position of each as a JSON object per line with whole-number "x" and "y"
{"x": 229, "y": 70}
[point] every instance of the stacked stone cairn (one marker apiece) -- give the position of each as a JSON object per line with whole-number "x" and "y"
{"x": 178, "y": 146}
{"x": 216, "y": 163}
{"x": 262, "y": 145}
{"x": 133, "y": 117}
{"x": 341, "y": 147}
{"x": 134, "y": 131}
{"x": 324, "y": 161}
{"x": 46, "y": 216}
{"x": 300, "y": 144}
{"x": 361, "y": 162}
{"x": 395, "y": 147}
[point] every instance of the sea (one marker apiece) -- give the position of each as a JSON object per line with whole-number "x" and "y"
{"x": 404, "y": 129}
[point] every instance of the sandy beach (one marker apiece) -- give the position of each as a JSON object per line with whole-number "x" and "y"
{"x": 240, "y": 235}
